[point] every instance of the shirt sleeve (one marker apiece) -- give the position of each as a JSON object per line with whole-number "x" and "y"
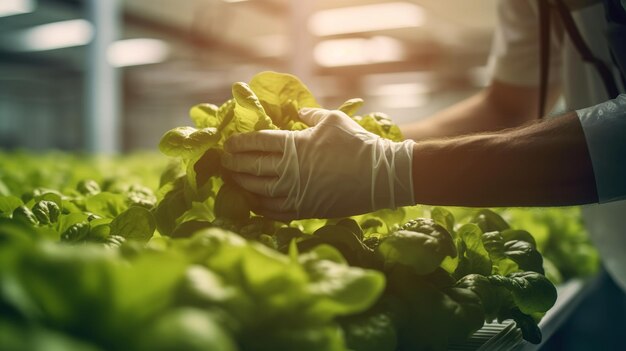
{"x": 514, "y": 56}
{"x": 604, "y": 126}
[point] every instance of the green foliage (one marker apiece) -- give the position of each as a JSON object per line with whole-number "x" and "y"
{"x": 187, "y": 141}
{"x": 88, "y": 187}
{"x": 381, "y": 124}
{"x": 98, "y": 246}
{"x": 420, "y": 244}
{"x": 8, "y": 204}
{"x": 24, "y": 214}
{"x": 350, "y": 107}
{"x": 136, "y": 223}
{"x": 46, "y": 212}
{"x": 185, "y": 329}
{"x": 232, "y": 203}
{"x": 205, "y": 116}
{"x": 249, "y": 113}
{"x": 281, "y": 96}
{"x": 370, "y": 331}
{"x": 561, "y": 238}
{"x": 473, "y": 257}
{"x": 531, "y": 291}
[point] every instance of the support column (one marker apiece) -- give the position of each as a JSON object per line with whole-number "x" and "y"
{"x": 301, "y": 41}
{"x": 103, "y": 88}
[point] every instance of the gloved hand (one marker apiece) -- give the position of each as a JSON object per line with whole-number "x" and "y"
{"x": 333, "y": 169}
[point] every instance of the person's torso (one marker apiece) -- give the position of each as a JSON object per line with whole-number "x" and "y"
{"x": 582, "y": 87}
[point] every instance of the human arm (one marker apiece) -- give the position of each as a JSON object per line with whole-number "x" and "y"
{"x": 512, "y": 97}
{"x": 335, "y": 168}
{"x": 577, "y": 158}
{"x": 498, "y": 106}
{"x": 543, "y": 164}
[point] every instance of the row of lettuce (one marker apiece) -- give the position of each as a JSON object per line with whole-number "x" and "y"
{"x": 102, "y": 253}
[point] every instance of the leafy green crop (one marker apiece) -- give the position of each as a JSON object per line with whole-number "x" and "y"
{"x": 418, "y": 256}
{"x": 103, "y": 254}
{"x": 420, "y": 244}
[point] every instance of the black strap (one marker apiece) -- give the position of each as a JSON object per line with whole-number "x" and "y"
{"x": 579, "y": 43}
{"x": 584, "y": 51}
{"x": 615, "y": 14}
{"x": 544, "y": 54}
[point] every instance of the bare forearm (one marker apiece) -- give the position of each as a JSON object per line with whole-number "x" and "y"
{"x": 497, "y": 107}
{"x": 544, "y": 164}
{"x": 469, "y": 116}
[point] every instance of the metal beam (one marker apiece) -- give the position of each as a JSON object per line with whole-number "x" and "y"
{"x": 197, "y": 40}
{"x": 102, "y": 80}
{"x": 301, "y": 41}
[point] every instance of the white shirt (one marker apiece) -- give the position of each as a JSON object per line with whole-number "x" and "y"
{"x": 515, "y": 59}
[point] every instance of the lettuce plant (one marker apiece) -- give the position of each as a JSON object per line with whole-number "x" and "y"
{"x": 94, "y": 248}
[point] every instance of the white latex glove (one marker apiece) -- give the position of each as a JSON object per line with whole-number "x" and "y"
{"x": 333, "y": 169}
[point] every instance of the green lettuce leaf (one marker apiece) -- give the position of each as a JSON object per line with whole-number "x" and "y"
{"x": 136, "y": 223}
{"x": 420, "y": 244}
{"x": 187, "y": 142}
{"x": 282, "y": 95}
{"x": 249, "y": 113}
{"x": 205, "y": 116}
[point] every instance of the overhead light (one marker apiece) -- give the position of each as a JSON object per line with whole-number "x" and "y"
{"x": 274, "y": 45}
{"x": 402, "y": 101}
{"x": 232, "y": 1}
{"x": 133, "y": 52}
{"x": 401, "y": 95}
{"x": 357, "y": 51}
{"x": 16, "y": 7}
{"x": 49, "y": 36}
{"x": 391, "y": 15}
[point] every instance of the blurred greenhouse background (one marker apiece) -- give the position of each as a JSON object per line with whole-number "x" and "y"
{"x": 112, "y": 76}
